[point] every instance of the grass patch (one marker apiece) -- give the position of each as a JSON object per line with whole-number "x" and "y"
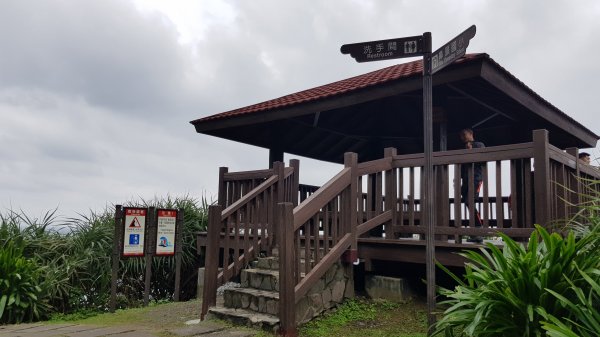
{"x": 361, "y": 317}
{"x": 155, "y": 316}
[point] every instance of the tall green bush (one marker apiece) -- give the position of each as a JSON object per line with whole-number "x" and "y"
{"x": 21, "y": 293}
{"x": 510, "y": 292}
{"x": 585, "y": 310}
{"x": 74, "y": 256}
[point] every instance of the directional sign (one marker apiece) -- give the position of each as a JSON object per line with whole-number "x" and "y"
{"x": 385, "y": 49}
{"x": 166, "y": 232}
{"x": 452, "y": 50}
{"x": 134, "y": 231}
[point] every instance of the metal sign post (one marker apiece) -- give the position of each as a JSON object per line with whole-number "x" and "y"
{"x": 428, "y": 211}
{"x": 432, "y": 62}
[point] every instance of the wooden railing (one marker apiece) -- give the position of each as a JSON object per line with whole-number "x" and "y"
{"x": 571, "y": 183}
{"x": 523, "y": 184}
{"x": 306, "y": 191}
{"x": 245, "y": 226}
{"x": 318, "y": 231}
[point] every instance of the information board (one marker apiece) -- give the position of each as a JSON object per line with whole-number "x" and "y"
{"x": 166, "y": 232}
{"x": 134, "y": 231}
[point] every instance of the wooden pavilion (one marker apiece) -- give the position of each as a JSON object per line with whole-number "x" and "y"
{"x": 370, "y": 210}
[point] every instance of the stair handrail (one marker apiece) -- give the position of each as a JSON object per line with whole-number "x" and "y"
{"x": 219, "y": 222}
{"x": 340, "y": 191}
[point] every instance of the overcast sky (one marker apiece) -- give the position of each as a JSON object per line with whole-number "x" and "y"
{"x": 96, "y": 96}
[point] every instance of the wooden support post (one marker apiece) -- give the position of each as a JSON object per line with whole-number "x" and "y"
{"x": 116, "y": 256}
{"x": 295, "y": 164}
{"x": 275, "y": 155}
{"x": 178, "y": 252}
{"x": 427, "y": 211}
{"x": 150, "y": 243}
{"x": 287, "y": 277}
{"x": 541, "y": 179}
{"x": 391, "y": 195}
{"x": 222, "y": 198}
{"x": 211, "y": 266}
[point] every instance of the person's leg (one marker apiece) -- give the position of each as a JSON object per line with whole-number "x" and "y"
{"x": 478, "y": 184}
{"x": 477, "y": 219}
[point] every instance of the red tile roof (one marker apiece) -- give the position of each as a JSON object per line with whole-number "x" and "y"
{"x": 395, "y": 72}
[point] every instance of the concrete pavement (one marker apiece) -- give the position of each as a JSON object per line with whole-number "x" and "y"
{"x": 191, "y": 329}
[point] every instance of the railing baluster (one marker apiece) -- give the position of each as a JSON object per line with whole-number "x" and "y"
{"x": 457, "y": 203}
{"x": 499, "y": 202}
{"x": 361, "y": 201}
{"x": 400, "y": 205}
{"x": 370, "y": 198}
{"x": 411, "y": 197}
{"x": 326, "y": 218}
{"x": 316, "y": 244}
{"x": 515, "y": 194}
{"x": 528, "y": 212}
{"x": 236, "y": 253}
{"x": 486, "y": 197}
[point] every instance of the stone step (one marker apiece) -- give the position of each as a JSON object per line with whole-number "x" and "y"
{"x": 262, "y": 301}
{"x": 275, "y": 252}
{"x": 262, "y": 279}
{"x": 272, "y": 263}
{"x": 246, "y": 317}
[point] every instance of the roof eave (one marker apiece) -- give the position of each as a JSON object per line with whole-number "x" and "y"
{"x": 504, "y": 81}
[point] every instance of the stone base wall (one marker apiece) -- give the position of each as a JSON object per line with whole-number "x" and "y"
{"x": 328, "y": 292}
{"x": 389, "y": 288}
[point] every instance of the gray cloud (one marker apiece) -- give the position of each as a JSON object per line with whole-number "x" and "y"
{"x": 102, "y": 51}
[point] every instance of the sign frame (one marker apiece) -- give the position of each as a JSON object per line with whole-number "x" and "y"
{"x": 410, "y": 46}
{"x": 172, "y": 215}
{"x": 452, "y": 50}
{"x": 135, "y": 212}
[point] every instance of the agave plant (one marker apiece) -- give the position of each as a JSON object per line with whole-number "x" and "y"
{"x": 510, "y": 292}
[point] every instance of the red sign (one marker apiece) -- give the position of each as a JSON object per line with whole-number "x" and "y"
{"x": 134, "y": 231}
{"x": 166, "y": 232}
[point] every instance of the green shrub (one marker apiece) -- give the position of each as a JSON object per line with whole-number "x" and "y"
{"x": 585, "y": 318}
{"x": 510, "y": 292}
{"x": 21, "y": 296}
{"x": 76, "y": 256}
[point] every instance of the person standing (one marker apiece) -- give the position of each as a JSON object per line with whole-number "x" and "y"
{"x": 468, "y": 139}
